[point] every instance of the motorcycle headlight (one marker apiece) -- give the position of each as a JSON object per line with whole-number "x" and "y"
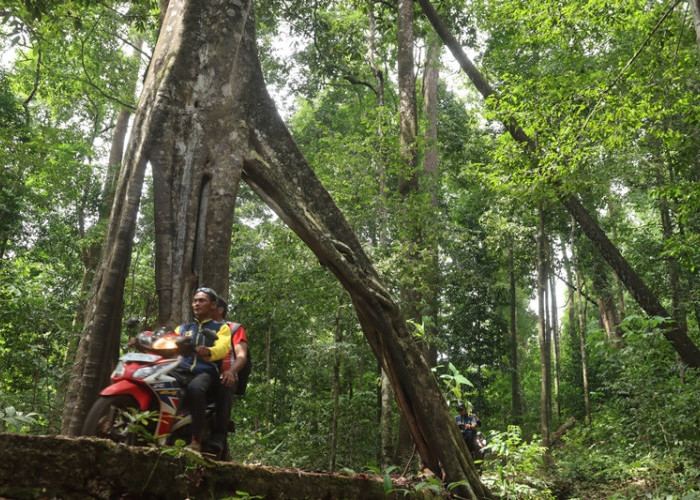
{"x": 118, "y": 371}
{"x": 145, "y": 372}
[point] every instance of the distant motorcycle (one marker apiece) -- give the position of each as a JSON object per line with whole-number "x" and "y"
{"x": 141, "y": 382}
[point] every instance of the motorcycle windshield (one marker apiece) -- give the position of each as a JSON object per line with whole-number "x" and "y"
{"x": 139, "y": 357}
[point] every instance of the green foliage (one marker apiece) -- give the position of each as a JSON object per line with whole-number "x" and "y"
{"x": 520, "y": 455}
{"x": 140, "y": 424}
{"x": 12, "y": 420}
{"x": 644, "y": 428}
{"x": 515, "y": 458}
{"x": 454, "y": 381}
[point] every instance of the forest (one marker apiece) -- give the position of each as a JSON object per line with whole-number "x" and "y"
{"x": 407, "y": 205}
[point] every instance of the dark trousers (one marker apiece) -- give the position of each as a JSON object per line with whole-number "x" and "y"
{"x": 196, "y": 387}
{"x": 224, "y": 401}
{"x": 470, "y": 439}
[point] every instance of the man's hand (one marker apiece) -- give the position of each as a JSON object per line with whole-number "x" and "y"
{"x": 228, "y": 378}
{"x": 203, "y": 351}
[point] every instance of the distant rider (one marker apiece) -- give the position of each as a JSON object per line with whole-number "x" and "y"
{"x": 468, "y": 422}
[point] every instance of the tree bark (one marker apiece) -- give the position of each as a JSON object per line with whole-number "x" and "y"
{"x": 607, "y": 305}
{"x": 619, "y": 292}
{"x": 386, "y": 411}
{"x": 335, "y": 392}
{"x": 580, "y": 304}
{"x": 545, "y": 349}
{"x": 430, "y": 277}
{"x": 516, "y": 400}
{"x": 554, "y": 329}
{"x": 695, "y": 6}
{"x": 562, "y": 430}
{"x": 408, "y": 120}
{"x": 684, "y": 346}
{"x": 409, "y": 214}
{"x": 200, "y": 65}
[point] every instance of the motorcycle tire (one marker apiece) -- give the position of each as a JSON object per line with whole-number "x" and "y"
{"x": 108, "y": 419}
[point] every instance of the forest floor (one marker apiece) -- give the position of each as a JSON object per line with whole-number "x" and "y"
{"x": 553, "y": 487}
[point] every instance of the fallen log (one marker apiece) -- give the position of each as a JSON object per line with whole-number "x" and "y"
{"x": 64, "y": 467}
{"x": 561, "y": 431}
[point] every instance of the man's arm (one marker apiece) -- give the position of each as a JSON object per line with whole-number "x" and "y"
{"x": 230, "y": 376}
{"x": 220, "y": 348}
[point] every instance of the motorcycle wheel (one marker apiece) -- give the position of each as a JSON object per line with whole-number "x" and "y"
{"x": 109, "y": 419}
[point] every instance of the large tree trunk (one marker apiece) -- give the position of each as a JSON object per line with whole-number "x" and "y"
{"x": 675, "y": 334}
{"x": 99, "y": 343}
{"x": 205, "y": 117}
{"x": 385, "y": 396}
{"x": 430, "y": 277}
{"x": 409, "y": 213}
{"x": 200, "y": 66}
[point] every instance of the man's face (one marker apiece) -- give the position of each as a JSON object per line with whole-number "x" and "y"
{"x": 463, "y": 411}
{"x": 203, "y": 306}
{"x": 217, "y": 313}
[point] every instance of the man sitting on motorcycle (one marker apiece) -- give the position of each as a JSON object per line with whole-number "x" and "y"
{"x": 232, "y": 365}
{"x": 197, "y": 373}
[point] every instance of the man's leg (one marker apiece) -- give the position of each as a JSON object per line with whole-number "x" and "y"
{"x": 471, "y": 444}
{"x": 224, "y": 400}
{"x": 197, "y": 401}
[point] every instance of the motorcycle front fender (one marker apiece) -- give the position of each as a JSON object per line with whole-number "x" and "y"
{"x": 141, "y": 394}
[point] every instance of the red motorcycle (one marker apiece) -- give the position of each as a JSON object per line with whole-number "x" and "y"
{"x": 141, "y": 383}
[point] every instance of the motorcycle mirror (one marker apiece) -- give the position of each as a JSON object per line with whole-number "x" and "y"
{"x": 210, "y": 334}
{"x": 132, "y": 322}
{"x": 185, "y": 346}
{"x": 160, "y": 332}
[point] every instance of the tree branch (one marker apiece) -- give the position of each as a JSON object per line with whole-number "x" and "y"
{"x": 37, "y": 75}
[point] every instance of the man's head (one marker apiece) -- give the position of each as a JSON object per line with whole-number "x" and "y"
{"x": 204, "y": 303}
{"x": 461, "y": 408}
{"x": 221, "y": 309}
